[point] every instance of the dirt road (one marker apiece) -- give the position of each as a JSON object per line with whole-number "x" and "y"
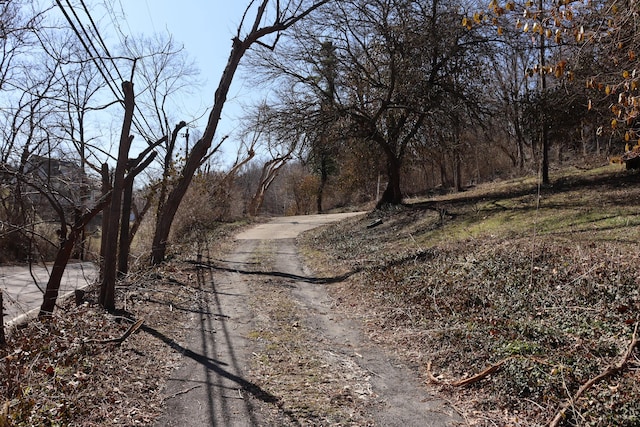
{"x": 222, "y": 380}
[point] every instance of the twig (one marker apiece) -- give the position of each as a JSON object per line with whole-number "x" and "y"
{"x": 121, "y": 339}
{"x": 239, "y": 396}
{"x": 611, "y": 370}
{"x": 461, "y": 383}
{"x": 178, "y": 393}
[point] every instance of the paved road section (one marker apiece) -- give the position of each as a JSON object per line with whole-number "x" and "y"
{"x": 289, "y": 227}
{"x": 22, "y": 293}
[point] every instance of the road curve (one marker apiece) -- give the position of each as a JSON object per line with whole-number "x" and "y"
{"x": 288, "y": 227}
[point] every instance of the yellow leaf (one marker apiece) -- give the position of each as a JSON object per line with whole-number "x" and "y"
{"x": 500, "y": 31}
{"x": 614, "y": 123}
{"x": 625, "y": 74}
{"x": 510, "y": 6}
{"x": 526, "y": 27}
{"x": 607, "y": 90}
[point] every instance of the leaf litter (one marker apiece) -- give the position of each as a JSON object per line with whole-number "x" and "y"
{"x": 549, "y": 298}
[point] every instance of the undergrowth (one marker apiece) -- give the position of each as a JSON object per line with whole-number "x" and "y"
{"x": 546, "y": 283}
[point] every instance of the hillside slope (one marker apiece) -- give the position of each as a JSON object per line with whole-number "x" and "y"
{"x": 539, "y": 284}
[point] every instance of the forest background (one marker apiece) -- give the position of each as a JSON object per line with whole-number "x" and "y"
{"x": 365, "y": 102}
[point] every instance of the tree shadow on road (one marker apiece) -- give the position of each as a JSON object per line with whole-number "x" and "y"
{"x": 213, "y": 365}
{"x": 279, "y": 274}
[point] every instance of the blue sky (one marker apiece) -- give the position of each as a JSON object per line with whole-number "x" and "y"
{"x": 205, "y": 28}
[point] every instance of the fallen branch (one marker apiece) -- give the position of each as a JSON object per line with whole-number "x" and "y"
{"x": 178, "y": 393}
{"x": 460, "y": 383}
{"x": 121, "y": 339}
{"x": 490, "y": 370}
{"x": 611, "y": 370}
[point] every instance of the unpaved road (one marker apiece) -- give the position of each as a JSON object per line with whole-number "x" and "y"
{"x": 213, "y": 386}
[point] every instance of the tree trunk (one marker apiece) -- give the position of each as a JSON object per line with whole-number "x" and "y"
{"x": 107, "y": 290}
{"x": 59, "y": 265}
{"x": 545, "y": 153}
{"x": 3, "y": 339}
{"x": 198, "y": 152}
{"x": 543, "y": 118}
{"x": 106, "y": 187}
{"x": 392, "y": 194}
{"x": 123, "y": 252}
{"x": 324, "y": 177}
{"x": 63, "y": 255}
{"x": 256, "y": 202}
{"x": 445, "y": 182}
{"x": 457, "y": 162}
{"x": 126, "y": 235}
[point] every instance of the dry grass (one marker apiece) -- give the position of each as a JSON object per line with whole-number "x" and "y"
{"x": 316, "y": 385}
{"x": 547, "y": 278}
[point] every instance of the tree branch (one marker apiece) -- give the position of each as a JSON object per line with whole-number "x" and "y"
{"x": 611, "y": 370}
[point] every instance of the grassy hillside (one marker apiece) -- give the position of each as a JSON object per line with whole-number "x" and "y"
{"x": 540, "y": 283}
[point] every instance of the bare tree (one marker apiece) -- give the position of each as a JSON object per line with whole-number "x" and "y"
{"x": 390, "y": 66}
{"x": 282, "y": 15}
{"x": 107, "y": 290}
